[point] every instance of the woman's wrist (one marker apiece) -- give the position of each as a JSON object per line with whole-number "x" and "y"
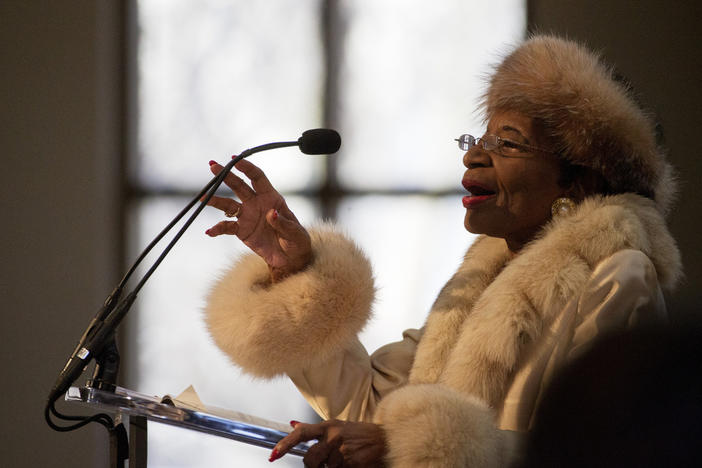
{"x": 278, "y": 274}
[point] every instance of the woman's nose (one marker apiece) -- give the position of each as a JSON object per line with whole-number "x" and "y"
{"x": 476, "y": 157}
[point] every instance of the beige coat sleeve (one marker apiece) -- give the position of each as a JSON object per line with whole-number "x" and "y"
{"x": 302, "y": 322}
{"x": 306, "y": 326}
{"x": 350, "y": 385}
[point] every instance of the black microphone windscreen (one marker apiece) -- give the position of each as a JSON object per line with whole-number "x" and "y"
{"x": 319, "y": 141}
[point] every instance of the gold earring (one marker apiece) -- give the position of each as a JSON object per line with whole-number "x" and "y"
{"x": 562, "y": 206}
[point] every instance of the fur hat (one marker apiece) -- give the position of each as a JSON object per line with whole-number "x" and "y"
{"x": 592, "y": 118}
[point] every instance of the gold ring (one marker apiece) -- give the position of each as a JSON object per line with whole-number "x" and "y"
{"x": 235, "y": 214}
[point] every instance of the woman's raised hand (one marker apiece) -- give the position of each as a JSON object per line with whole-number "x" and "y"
{"x": 264, "y": 222}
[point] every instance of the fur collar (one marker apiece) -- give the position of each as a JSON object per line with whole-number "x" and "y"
{"x": 520, "y": 296}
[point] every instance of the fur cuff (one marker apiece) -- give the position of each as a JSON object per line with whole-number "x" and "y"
{"x": 302, "y": 321}
{"x": 430, "y": 425}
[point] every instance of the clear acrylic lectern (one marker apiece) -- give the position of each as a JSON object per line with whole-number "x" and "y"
{"x": 140, "y": 408}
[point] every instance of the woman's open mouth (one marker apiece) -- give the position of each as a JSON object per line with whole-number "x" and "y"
{"x": 477, "y": 194}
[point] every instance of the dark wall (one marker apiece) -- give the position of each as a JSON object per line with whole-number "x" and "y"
{"x": 60, "y": 235}
{"x": 658, "y": 46}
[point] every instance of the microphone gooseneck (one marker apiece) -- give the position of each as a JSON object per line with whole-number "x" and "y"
{"x": 103, "y": 326}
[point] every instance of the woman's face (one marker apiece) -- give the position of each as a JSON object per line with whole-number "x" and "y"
{"x": 511, "y": 194}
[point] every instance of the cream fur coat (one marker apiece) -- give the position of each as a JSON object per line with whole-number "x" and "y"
{"x": 447, "y": 394}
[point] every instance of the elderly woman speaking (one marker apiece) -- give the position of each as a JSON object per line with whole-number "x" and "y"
{"x": 568, "y": 190}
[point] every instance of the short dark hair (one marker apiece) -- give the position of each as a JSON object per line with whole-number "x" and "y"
{"x": 582, "y": 181}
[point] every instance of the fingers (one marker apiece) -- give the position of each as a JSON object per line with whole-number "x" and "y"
{"x": 223, "y": 227}
{"x": 322, "y": 455}
{"x": 285, "y": 211}
{"x": 258, "y": 178}
{"x": 301, "y": 433}
{"x": 259, "y": 181}
{"x": 227, "y": 205}
{"x": 289, "y": 229}
{"x": 335, "y": 459}
{"x": 242, "y": 190}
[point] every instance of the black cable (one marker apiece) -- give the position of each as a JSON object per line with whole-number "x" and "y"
{"x": 103, "y": 416}
{"x": 100, "y": 418}
{"x": 212, "y": 186}
{"x": 216, "y": 181}
{"x": 165, "y": 230}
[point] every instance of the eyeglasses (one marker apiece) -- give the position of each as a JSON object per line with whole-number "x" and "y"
{"x": 495, "y": 143}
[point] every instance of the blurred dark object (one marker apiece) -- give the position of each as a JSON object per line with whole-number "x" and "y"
{"x": 634, "y": 399}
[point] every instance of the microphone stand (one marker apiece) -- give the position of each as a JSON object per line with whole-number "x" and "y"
{"x": 98, "y": 340}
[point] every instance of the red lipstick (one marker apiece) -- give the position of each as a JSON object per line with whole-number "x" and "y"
{"x": 479, "y": 193}
{"x": 473, "y": 200}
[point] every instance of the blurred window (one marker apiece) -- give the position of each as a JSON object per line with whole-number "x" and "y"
{"x": 399, "y": 80}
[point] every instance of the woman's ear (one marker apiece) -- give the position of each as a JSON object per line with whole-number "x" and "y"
{"x": 584, "y": 182}
{"x": 591, "y": 182}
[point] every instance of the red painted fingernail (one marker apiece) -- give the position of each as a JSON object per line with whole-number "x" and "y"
{"x": 294, "y": 423}
{"x": 275, "y": 214}
{"x": 274, "y": 455}
{"x": 208, "y": 232}
{"x": 212, "y": 163}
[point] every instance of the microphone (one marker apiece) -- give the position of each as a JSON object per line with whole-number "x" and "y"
{"x": 319, "y": 141}
{"x": 104, "y": 324}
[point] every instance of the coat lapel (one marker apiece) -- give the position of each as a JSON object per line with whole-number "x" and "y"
{"x": 480, "y": 265}
{"x": 488, "y": 314}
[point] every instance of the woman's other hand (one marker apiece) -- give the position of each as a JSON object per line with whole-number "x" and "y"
{"x": 263, "y": 221}
{"x": 341, "y": 444}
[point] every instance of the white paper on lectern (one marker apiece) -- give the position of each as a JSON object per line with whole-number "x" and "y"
{"x": 189, "y": 399}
